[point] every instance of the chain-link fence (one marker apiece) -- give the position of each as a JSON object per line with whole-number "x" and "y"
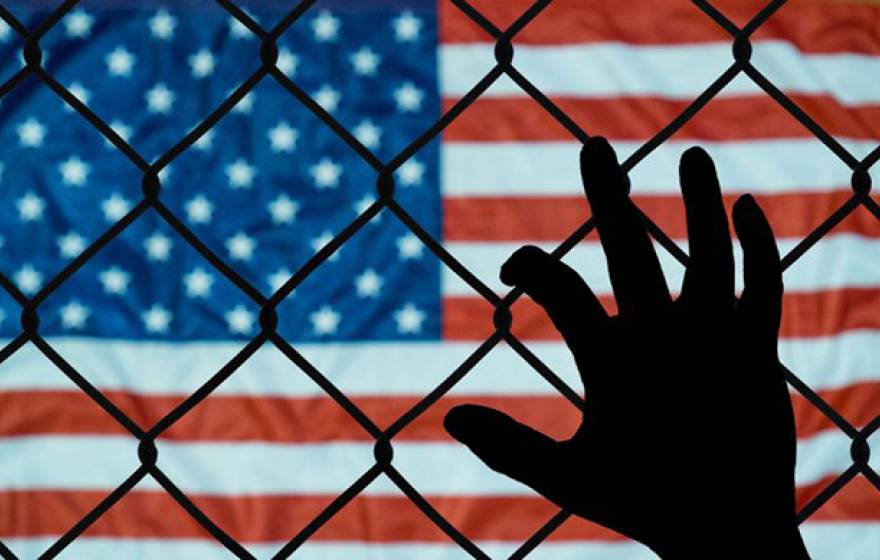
{"x": 386, "y": 201}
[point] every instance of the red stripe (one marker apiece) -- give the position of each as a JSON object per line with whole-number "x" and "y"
{"x": 270, "y": 419}
{"x": 319, "y": 419}
{"x": 816, "y": 27}
{"x": 744, "y": 117}
{"x": 858, "y": 500}
{"x": 857, "y": 403}
{"x": 813, "y": 314}
{"x": 532, "y": 219}
{"x": 144, "y": 514}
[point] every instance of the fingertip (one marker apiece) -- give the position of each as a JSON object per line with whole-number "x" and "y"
{"x": 601, "y": 174}
{"x": 597, "y": 149}
{"x": 456, "y": 421}
{"x": 595, "y": 144}
{"x": 745, "y": 203}
{"x": 471, "y": 424}
{"x": 748, "y": 218}
{"x": 754, "y": 232}
{"x": 695, "y": 165}
{"x": 526, "y": 260}
{"x": 695, "y": 155}
{"x": 699, "y": 180}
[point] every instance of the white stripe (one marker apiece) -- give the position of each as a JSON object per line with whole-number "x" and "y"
{"x": 90, "y": 548}
{"x": 220, "y": 468}
{"x": 375, "y": 369}
{"x": 674, "y": 71}
{"x": 553, "y": 168}
{"x": 841, "y": 541}
{"x": 356, "y": 368}
{"x": 825, "y": 541}
{"x": 837, "y": 261}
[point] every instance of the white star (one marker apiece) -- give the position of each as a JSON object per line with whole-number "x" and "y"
{"x": 238, "y": 30}
{"x": 361, "y": 206}
{"x": 410, "y": 173}
{"x": 78, "y": 24}
{"x": 156, "y": 319}
{"x": 31, "y": 133}
{"x": 120, "y": 62}
{"x": 199, "y": 209}
{"x": 240, "y": 320}
{"x": 409, "y": 247}
{"x": 5, "y": 31}
{"x": 409, "y": 319}
{"x": 325, "y": 320}
{"x": 406, "y": 27}
{"x": 115, "y": 280}
{"x": 246, "y": 104}
{"x": 283, "y": 210}
{"x": 30, "y": 207}
{"x": 71, "y": 244}
{"x": 327, "y": 98}
{"x": 74, "y": 315}
{"x": 121, "y": 129}
{"x": 162, "y": 25}
{"x": 165, "y": 173}
{"x": 321, "y": 241}
{"x": 28, "y": 279}
{"x": 278, "y": 278}
{"x": 240, "y": 174}
{"x": 79, "y": 91}
{"x": 325, "y": 26}
{"x": 198, "y": 283}
{"x": 368, "y": 284}
{"x": 158, "y": 246}
{"x": 115, "y": 207}
{"x": 240, "y": 246}
{"x": 287, "y": 62}
{"x": 159, "y": 98}
{"x": 205, "y": 141}
{"x": 365, "y": 61}
{"x": 74, "y": 171}
{"x": 408, "y": 98}
{"x": 283, "y": 137}
{"x": 368, "y": 134}
{"x": 326, "y": 174}
{"x": 202, "y": 63}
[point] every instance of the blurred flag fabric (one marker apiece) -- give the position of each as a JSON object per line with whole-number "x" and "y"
{"x": 147, "y": 319}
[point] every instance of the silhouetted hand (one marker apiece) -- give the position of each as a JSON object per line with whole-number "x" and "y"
{"x": 688, "y": 439}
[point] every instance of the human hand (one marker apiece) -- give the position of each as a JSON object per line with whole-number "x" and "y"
{"x": 688, "y": 439}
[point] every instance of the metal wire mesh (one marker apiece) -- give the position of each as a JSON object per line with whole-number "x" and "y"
{"x": 384, "y": 449}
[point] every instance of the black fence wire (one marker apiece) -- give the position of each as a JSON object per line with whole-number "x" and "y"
{"x": 384, "y": 449}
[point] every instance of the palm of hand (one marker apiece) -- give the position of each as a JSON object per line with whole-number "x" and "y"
{"x": 688, "y": 432}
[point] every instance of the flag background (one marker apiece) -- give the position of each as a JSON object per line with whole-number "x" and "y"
{"x": 147, "y": 320}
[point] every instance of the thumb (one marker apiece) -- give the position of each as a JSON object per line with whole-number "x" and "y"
{"x": 508, "y": 447}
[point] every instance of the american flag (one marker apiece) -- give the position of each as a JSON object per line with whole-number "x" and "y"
{"x": 147, "y": 320}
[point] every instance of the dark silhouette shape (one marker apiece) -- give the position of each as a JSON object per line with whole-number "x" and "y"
{"x": 688, "y": 438}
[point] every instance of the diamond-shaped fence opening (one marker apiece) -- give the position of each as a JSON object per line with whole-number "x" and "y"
{"x": 273, "y": 43}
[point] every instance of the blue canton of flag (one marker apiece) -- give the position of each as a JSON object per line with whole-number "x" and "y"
{"x": 265, "y": 188}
